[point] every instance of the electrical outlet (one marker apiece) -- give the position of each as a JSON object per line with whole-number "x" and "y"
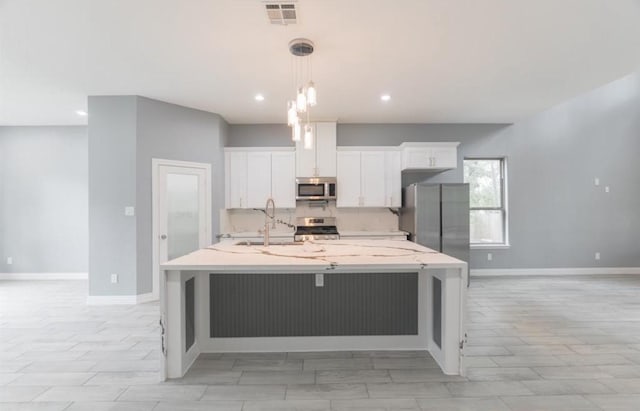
{"x": 606, "y": 189}
{"x": 489, "y": 256}
{"x": 597, "y": 255}
{"x": 9, "y": 260}
{"x": 114, "y": 278}
{"x": 319, "y": 280}
{"x": 596, "y": 181}
{"x": 129, "y": 211}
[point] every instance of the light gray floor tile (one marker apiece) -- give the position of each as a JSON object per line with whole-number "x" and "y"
{"x": 424, "y": 375}
{"x": 124, "y": 378}
{"x": 287, "y": 405}
{"x": 616, "y": 402}
{"x": 476, "y": 350}
{"x": 604, "y": 349}
{"x": 572, "y": 373}
{"x": 487, "y": 388}
{"x": 213, "y": 364}
{"x": 130, "y": 365}
{"x": 114, "y": 355}
{"x": 352, "y": 376}
{"x": 7, "y": 377}
{"x": 166, "y": 392}
{"x": 254, "y": 356}
{"x": 539, "y": 350}
{"x": 403, "y": 363}
{"x": 112, "y": 406}
{"x": 550, "y": 403}
{"x": 277, "y": 377}
{"x": 13, "y": 365}
{"x": 528, "y": 361}
{"x": 326, "y": 391}
{"x": 338, "y": 364}
{"x": 472, "y": 362}
{"x": 502, "y": 374}
{"x": 375, "y": 404}
{"x": 34, "y": 406}
{"x": 203, "y": 376}
{"x": 563, "y": 387}
{"x": 621, "y": 371}
{"x": 317, "y": 355}
{"x": 244, "y": 392}
{"x": 408, "y": 390}
{"x": 594, "y": 359}
{"x": 391, "y": 354}
{"x": 462, "y": 404}
{"x": 199, "y": 406}
{"x": 623, "y": 385}
{"x": 59, "y": 366}
{"x": 80, "y": 393}
{"x": 53, "y": 378}
{"x": 19, "y": 393}
{"x": 267, "y": 365}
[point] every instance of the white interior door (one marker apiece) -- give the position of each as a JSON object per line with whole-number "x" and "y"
{"x": 182, "y": 211}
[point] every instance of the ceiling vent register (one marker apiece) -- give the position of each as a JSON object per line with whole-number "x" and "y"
{"x": 281, "y": 13}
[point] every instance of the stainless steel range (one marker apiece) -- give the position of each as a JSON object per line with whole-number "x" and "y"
{"x": 316, "y": 228}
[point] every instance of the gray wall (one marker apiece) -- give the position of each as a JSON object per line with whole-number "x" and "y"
{"x": 173, "y": 132}
{"x": 125, "y": 133}
{"x": 43, "y": 199}
{"x": 557, "y": 217}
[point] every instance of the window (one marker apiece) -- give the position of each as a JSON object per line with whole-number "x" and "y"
{"x": 488, "y": 211}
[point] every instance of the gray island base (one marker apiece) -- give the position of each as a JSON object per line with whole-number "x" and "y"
{"x": 338, "y": 295}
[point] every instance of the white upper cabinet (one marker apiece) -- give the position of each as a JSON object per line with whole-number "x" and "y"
{"x": 348, "y": 167}
{"x": 283, "y": 178}
{"x": 320, "y": 161}
{"x": 429, "y": 156}
{"x": 258, "y": 178}
{"x": 368, "y": 177}
{"x": 235, "y": 179}
{"x": 393, "y": 178}
{"x": 253, "y": 175}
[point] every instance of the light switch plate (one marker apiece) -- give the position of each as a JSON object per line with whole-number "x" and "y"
{"x": 319, "y": 280}
{"x": 9, "y": 260}
{"x": 129, "y": 211}
{"x": 114, "y": 278}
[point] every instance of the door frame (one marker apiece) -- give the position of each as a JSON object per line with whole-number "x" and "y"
{"x": 156, "y": 163}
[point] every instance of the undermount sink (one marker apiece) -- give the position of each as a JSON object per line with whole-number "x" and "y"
{"x": 249, "y": 243}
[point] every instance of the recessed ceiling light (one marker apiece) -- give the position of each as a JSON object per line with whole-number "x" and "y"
{"x": 385, "y": 97}
{"x": 81, "y": 112}
{"x": 259, "y": 97}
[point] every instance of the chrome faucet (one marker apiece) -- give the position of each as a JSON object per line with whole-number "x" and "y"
{"x": 268, "y": 216}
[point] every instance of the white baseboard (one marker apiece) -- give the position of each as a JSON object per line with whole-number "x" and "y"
{"x": 44, "y": 276}
{"x": 119, "y": 299}
{"x": 500, "y": 272}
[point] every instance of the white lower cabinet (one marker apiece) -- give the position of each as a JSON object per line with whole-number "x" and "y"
{"x": 253, "y": 176}
{"x": 368, "y": 178}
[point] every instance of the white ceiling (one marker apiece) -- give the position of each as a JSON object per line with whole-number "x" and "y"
{"x": 441, "y": 60}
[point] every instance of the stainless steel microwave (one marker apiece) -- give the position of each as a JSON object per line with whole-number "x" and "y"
{"x": 316, "y": 188}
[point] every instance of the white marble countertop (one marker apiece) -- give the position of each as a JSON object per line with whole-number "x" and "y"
{"x": 354, "y": 233}
{"x": 335, "y": 255}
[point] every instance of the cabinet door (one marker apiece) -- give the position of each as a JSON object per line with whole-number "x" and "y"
{"x": 258, "y": 178}
{"x": 283, "y": 178}
{"x": 236, "y": 178}
{"x": 348, "y": 168}
{"x": 372, "y": 179}
{"x": 444, "y": 157}
{"x": 305, "y": 160}
{"x": 393, "y": 179}
{"x": 416, "y": 158}
{"x": 326, "y": 149}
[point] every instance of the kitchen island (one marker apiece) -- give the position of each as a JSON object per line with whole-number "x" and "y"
{"x": 338, "y": 295}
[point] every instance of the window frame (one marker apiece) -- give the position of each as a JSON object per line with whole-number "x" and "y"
{"x": 503, "y": 199}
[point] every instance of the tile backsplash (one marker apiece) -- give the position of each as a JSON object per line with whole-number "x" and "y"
{"x": 348, "y": 219}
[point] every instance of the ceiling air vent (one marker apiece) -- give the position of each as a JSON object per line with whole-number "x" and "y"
{"x": 281, "y": 13}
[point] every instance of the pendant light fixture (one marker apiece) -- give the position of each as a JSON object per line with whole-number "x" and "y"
{"x": 306, "y": 96}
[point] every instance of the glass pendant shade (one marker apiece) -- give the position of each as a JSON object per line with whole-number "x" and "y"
{"x": 311, "y": 94}
{"x": 292, "y": 115}
{"x": 296, "y": 131}
{"x": 301, "y": 101}
{"x": 308, "y": 137}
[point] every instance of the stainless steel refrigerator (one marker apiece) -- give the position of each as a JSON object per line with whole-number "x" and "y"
{"x": 437, "y": 216}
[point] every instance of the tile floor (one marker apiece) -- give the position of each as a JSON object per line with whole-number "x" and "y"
{"x": 536, "y": 343}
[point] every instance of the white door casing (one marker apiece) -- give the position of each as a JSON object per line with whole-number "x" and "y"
{"x": 177, "y": 174}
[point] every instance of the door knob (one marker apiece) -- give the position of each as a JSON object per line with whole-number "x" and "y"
{"x": 163, "y": 237}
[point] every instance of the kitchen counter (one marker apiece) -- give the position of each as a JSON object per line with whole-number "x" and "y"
{"x": 315, "y": 296}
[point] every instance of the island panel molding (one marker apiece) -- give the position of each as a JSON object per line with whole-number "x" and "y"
{"x": 331, "y": 258}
